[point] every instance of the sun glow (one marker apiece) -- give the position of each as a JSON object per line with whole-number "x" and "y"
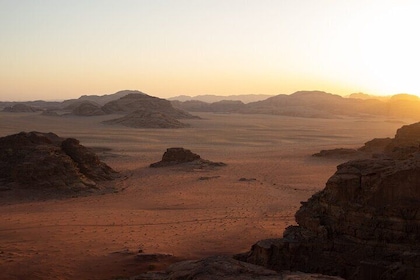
{"x": 52, "y": 51}
{"x": 389, "y": 49}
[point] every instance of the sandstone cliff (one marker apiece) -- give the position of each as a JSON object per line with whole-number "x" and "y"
{"x": 365, "y": 224}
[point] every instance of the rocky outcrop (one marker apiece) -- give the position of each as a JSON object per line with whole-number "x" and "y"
{"x": 339, "y": 152}
{"x": 225, "y": 268}
{"x": 147, "y": 119}
{"x": 365, "y": 224}
{"x": 43, "y": 160}
{"x": 407, "y": 137}
{"x": 176, "y": 156}
{"x": 405, "y": 143}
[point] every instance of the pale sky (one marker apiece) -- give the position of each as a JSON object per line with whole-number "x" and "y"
{"x": 53, "y": 49}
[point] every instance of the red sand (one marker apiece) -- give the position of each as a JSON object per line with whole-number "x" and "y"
{"x": 170, "y": 210}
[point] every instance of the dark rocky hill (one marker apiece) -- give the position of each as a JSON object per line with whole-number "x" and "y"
{"x": 135, "y": 102}
{"x": 42, "y": 161}
{"x": 147, "y": 119}
{"x": 184, "y": 157}
{"x": 86, "y": 108}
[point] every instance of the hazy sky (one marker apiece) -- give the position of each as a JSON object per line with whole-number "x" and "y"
{"x": 53, "y": 49}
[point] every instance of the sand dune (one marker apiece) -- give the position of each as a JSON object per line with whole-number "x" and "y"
{"x": 171, "y": 210}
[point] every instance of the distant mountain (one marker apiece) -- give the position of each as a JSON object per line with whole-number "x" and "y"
{"x": 38, "y": 104}
{"x": 315, "y": 104}
{"x": 224, "y": 106}
{"x": 100, "y": 99}
{"x": 312, "y": 104}
{"x": 21, "y": 108}
{"x": 245, "y": 98}
{"x": 134, "y": 102}
{"x": 361, "y": 95}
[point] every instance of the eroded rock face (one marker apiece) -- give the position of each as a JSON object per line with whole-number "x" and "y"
{"x": 43, "y": 160}
{"x": 365, "y": 224}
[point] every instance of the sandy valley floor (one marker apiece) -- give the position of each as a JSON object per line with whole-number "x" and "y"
{"x": 170, "y": 210}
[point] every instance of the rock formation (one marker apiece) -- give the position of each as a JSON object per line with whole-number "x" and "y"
{"x": 339, "y": 152}
{"x": 176, "y": 156}
{"x": 405, "y": 142}
{"x": 37, "y": 160}
{"x": 225, "y": 268}
{"x": 143, "y": 102}
{"x": 365, "y": 224}
{"x": 147, "y": 119}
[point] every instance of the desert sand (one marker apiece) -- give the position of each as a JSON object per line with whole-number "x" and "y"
{"x": 184, "y": 212}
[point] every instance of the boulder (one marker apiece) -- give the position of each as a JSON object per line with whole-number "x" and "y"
{"x": 38, "y": 160}
{"x": 176, "y": 156}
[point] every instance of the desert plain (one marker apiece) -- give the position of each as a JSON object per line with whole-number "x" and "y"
{"x": 185, "y": 212}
